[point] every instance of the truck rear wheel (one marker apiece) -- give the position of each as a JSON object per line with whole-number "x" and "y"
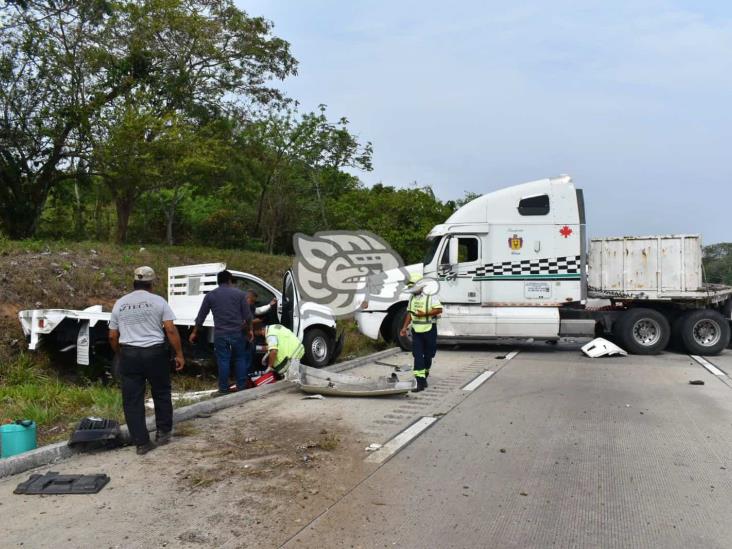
{"x": 704, "y": 332}
{"x": 405, "y": 342}
{"x": 642, "y": 331}
{"x": 318, "y": 347}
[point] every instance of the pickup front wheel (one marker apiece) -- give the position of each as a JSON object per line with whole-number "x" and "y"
{"x": 318, "y": 347}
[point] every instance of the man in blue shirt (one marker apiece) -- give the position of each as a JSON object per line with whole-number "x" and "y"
{"x": 232, "y": 318}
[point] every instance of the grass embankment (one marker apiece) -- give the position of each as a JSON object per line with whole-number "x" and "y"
{"x": 38, "y": 274}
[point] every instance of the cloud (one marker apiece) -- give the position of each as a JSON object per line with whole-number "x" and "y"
{"x": 631, "y": 98}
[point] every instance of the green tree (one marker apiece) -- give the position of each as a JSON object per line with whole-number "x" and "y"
{"x": 65, "y": 65}
{"x": 298, "y": 158}
{"x": 187, "y": 156}
{"x": 402, "y": 217}
{"x": 718, "y": 263}
{"x": 126, "y": 160}
{"x": 54, "y": 73}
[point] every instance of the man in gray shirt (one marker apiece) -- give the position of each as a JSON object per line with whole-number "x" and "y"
{"x": 137, "y": 329}
{"x": 232, "y": 316}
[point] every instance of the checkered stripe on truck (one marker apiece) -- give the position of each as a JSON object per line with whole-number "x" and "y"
{"x": 563, "y": 267}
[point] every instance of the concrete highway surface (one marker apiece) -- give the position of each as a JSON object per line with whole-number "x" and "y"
{"x": 527, "y": 446}
{"x": 557, "y": 450}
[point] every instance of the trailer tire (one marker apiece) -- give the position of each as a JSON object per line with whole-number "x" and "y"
{"x": 642, "y": 331}
{"x": 404, "y": 342}
{"x": 318, "y": 347}
{"x": 704, "y": 332}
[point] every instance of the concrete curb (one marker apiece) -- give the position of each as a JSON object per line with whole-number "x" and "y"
{"x": 53, "y": 453}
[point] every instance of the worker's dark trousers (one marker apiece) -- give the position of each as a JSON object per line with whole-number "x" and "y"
{"x": 424, "y": 348}
{"x": 138, "y": 365}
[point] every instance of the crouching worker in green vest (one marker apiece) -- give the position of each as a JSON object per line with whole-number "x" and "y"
{"x": 423, "y": 311}
{"x": 284, "y": 350}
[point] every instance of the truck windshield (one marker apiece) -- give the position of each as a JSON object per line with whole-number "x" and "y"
{"x": 431, "y": 249}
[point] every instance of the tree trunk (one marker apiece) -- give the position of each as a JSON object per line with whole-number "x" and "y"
{"x": 124, "y": 210}
{"x": 260, "y": 209}
{"x": 170, "y": 215}
{"x": 97, "y": 217}
{"x": 78, "y": 212}
{"x": 169, "y": 227}
{"x": 22, "y": 203}
{"x": 270, "y": 244}
{"x": 320, "y": 201}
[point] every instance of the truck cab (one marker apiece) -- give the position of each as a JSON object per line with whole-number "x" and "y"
{"x": 506, "y": 262}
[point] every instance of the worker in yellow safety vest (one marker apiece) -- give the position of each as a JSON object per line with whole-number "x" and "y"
{"x": 422, "y": 313}
{"x": 284, "y": 350}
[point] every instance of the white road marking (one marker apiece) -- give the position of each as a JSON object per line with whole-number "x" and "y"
{"x": 401, "y": 440}
{"x": 512, "y": 354}
{"x": 708, "y": 365}
{"x": 478, "y": 381}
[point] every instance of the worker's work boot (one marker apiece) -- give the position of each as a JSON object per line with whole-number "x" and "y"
{"x": 163, "y": 437}
{"x": 143, "y": 449}
{"x": 420, "y": 385}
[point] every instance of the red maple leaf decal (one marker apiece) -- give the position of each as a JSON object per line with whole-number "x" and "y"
{"x": 565, "y": 231}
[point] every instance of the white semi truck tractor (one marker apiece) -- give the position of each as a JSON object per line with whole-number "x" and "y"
{"x": 515, "y": 264}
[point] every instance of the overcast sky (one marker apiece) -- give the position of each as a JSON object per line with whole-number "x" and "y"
{"x": 631, "y": 98}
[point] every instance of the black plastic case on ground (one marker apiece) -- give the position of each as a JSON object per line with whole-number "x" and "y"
{"x": 54, "y": 483}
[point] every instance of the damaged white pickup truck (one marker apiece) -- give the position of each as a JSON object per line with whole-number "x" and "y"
{"x": 86, "y": 331}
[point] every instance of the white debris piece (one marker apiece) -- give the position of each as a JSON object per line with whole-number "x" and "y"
{"x": 313, "y": 397}
{"x": 189, "y": 395}
{"x": 602, "y": 347}
{"x": 373, "y": 447}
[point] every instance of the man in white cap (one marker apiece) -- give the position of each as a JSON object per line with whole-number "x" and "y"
{"x": 137, "y": 329}
{"x": 422, "y": 313}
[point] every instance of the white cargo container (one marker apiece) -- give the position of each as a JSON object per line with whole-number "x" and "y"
{"x": 646, "y": 267}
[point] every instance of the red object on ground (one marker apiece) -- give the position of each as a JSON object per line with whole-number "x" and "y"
{"x": 264, "y": 379}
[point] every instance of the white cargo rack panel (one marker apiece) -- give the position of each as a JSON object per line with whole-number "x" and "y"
{"x": 647, "y": 267}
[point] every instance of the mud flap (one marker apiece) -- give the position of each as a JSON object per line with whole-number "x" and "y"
{"x": 82, "y": 344}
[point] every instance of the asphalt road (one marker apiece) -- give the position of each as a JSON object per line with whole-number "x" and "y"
{"x": 557, "y": 450}
{"x": 551, "y": 450}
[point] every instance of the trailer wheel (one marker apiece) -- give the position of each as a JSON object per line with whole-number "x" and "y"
{"x": 642, "y": 331}
{"x": 704, "y": 332}
{"x": 404, "y": 342}
{"x": 318, "y": 347}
